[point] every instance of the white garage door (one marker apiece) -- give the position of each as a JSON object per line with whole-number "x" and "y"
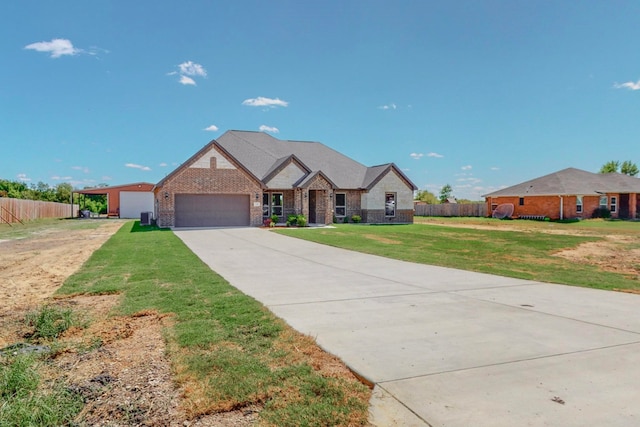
{"x": 212, "y": 210}
{"x": 132, "y": 203}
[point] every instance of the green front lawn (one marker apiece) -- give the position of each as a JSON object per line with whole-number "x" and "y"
{"x": 227, "y": 349}
{"x": 524, "y": 254}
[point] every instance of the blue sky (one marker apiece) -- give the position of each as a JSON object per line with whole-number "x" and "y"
{"x": 477, "y": 94}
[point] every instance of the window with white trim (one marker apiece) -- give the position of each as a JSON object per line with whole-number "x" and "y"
{"x": 341, "y": 204}
{"x": 603, "y": 202}
{"x": 614, "y": 204}
{"x": 390, "y": 204}
{"x": 578, "y": 204}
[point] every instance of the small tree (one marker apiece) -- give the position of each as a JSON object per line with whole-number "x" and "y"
{"x": 445, "y": 193}
{"x": 427, "y": 197}
{"x": 629, "y": 168}
{"x": 610, "y": 167}
{"x": 63, "y": 192}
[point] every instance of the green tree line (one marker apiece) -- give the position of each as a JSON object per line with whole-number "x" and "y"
{"x": 61, "y": 193}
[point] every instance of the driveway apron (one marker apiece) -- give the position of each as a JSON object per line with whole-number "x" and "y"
{"x": 445, "y": 347}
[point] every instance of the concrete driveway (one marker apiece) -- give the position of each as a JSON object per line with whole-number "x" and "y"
{"x": 446, "y": 347}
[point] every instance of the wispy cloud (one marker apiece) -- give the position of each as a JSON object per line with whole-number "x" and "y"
{"x": 265, "y": 128}
{"x": 61, "y": 178}
{"x": 436, "y": 155}
{"x": 83, "y": 169}
{"x": 163, "y": 165}
{"x": 628, "y": 85}
{"x": 187, "y": 69}
{"x": 416, "y": 156}
{"x": 265, "y": 102}
{"x": 135, "y": 166}
{"x": 56, "y": 48}
{"x": 106, "y": 178}
{"x": 211, "y": 128}
{"x": 187, "y": 81}
{"x": 470, "y": 179}
{"x": 391, "y": 106}
{"x": 466, "y": 168}
{"x": 494, "y": 168}
{"x": 23, "y": 177}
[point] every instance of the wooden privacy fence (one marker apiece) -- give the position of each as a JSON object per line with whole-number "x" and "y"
{"x": 452, "y": 209}
{"x": 16, "y": 210}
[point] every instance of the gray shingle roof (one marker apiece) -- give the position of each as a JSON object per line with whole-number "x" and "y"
{"x": 261, "y": 154}
{"x": 572, "y": 181}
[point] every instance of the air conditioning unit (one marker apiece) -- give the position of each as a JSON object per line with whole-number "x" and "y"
{"x": 146, "y": 218}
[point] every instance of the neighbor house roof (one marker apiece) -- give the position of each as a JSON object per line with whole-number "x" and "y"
{"x": 137, "y": 186}
{"x": 262, "y": 155}
{"x": 572, "y": 181}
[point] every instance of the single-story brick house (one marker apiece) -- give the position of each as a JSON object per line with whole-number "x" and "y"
{"x": 571, "y": 193}
{"x": 244, "y": 177}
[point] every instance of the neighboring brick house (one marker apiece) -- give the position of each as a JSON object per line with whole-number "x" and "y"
{"x": 571, "y": 193}
{"x": 244, "y": 177}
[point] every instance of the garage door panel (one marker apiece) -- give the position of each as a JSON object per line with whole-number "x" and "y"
{"x": 212, "y": 210}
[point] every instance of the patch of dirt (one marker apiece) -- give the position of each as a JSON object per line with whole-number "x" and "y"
{"x": 608, "y": 255}
{"x": 118, "y": 364}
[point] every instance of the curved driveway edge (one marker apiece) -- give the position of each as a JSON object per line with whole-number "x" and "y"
{"x": 445, "y": 347}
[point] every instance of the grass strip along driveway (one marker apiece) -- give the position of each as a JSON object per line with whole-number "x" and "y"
{"x": 524, "y": 254}
{"x": 227, "y": 350}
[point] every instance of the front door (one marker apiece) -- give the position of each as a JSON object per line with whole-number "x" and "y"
{"x": 623, "y": 213}
{"x": 313, "y": 195}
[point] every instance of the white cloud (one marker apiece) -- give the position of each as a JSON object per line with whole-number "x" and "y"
{"x": 211, "y": 128}
{"x": 494, "y": 168}
{"x": 190, "y": 68}
{"x": 106, "y": 178}
{"x": 186, "y": 69}
{"x": 416, "y": 156}
{"x": 628, "y": 85}
{"x": 265, "y": 102}
{"x": 23, "y": 177}
{"x": 470, "y": 179}
{"x": 436, "y": 155}
{"x": 61, "y": 178}
{"x": 391, "y": 106}
{"x": 84, "y": 169}
{"x": 163, "y": 165}
{"x": 134, "y": 166}
{"x": 56, "y": 47}
{"x": 466, "y": 168}
{"x": 265, "y": 128}
{"x": 187, "y": 80}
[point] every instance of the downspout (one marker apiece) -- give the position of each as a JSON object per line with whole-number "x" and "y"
{"x": 561, "y": 207}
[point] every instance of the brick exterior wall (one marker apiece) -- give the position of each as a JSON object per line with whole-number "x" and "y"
{"x": 354, "y": 206}
{"x": 324, "y": 200}
{"x": 197, "y": 180}
{"x": 377, "y": 216}
{"x": 549, "y": 206}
